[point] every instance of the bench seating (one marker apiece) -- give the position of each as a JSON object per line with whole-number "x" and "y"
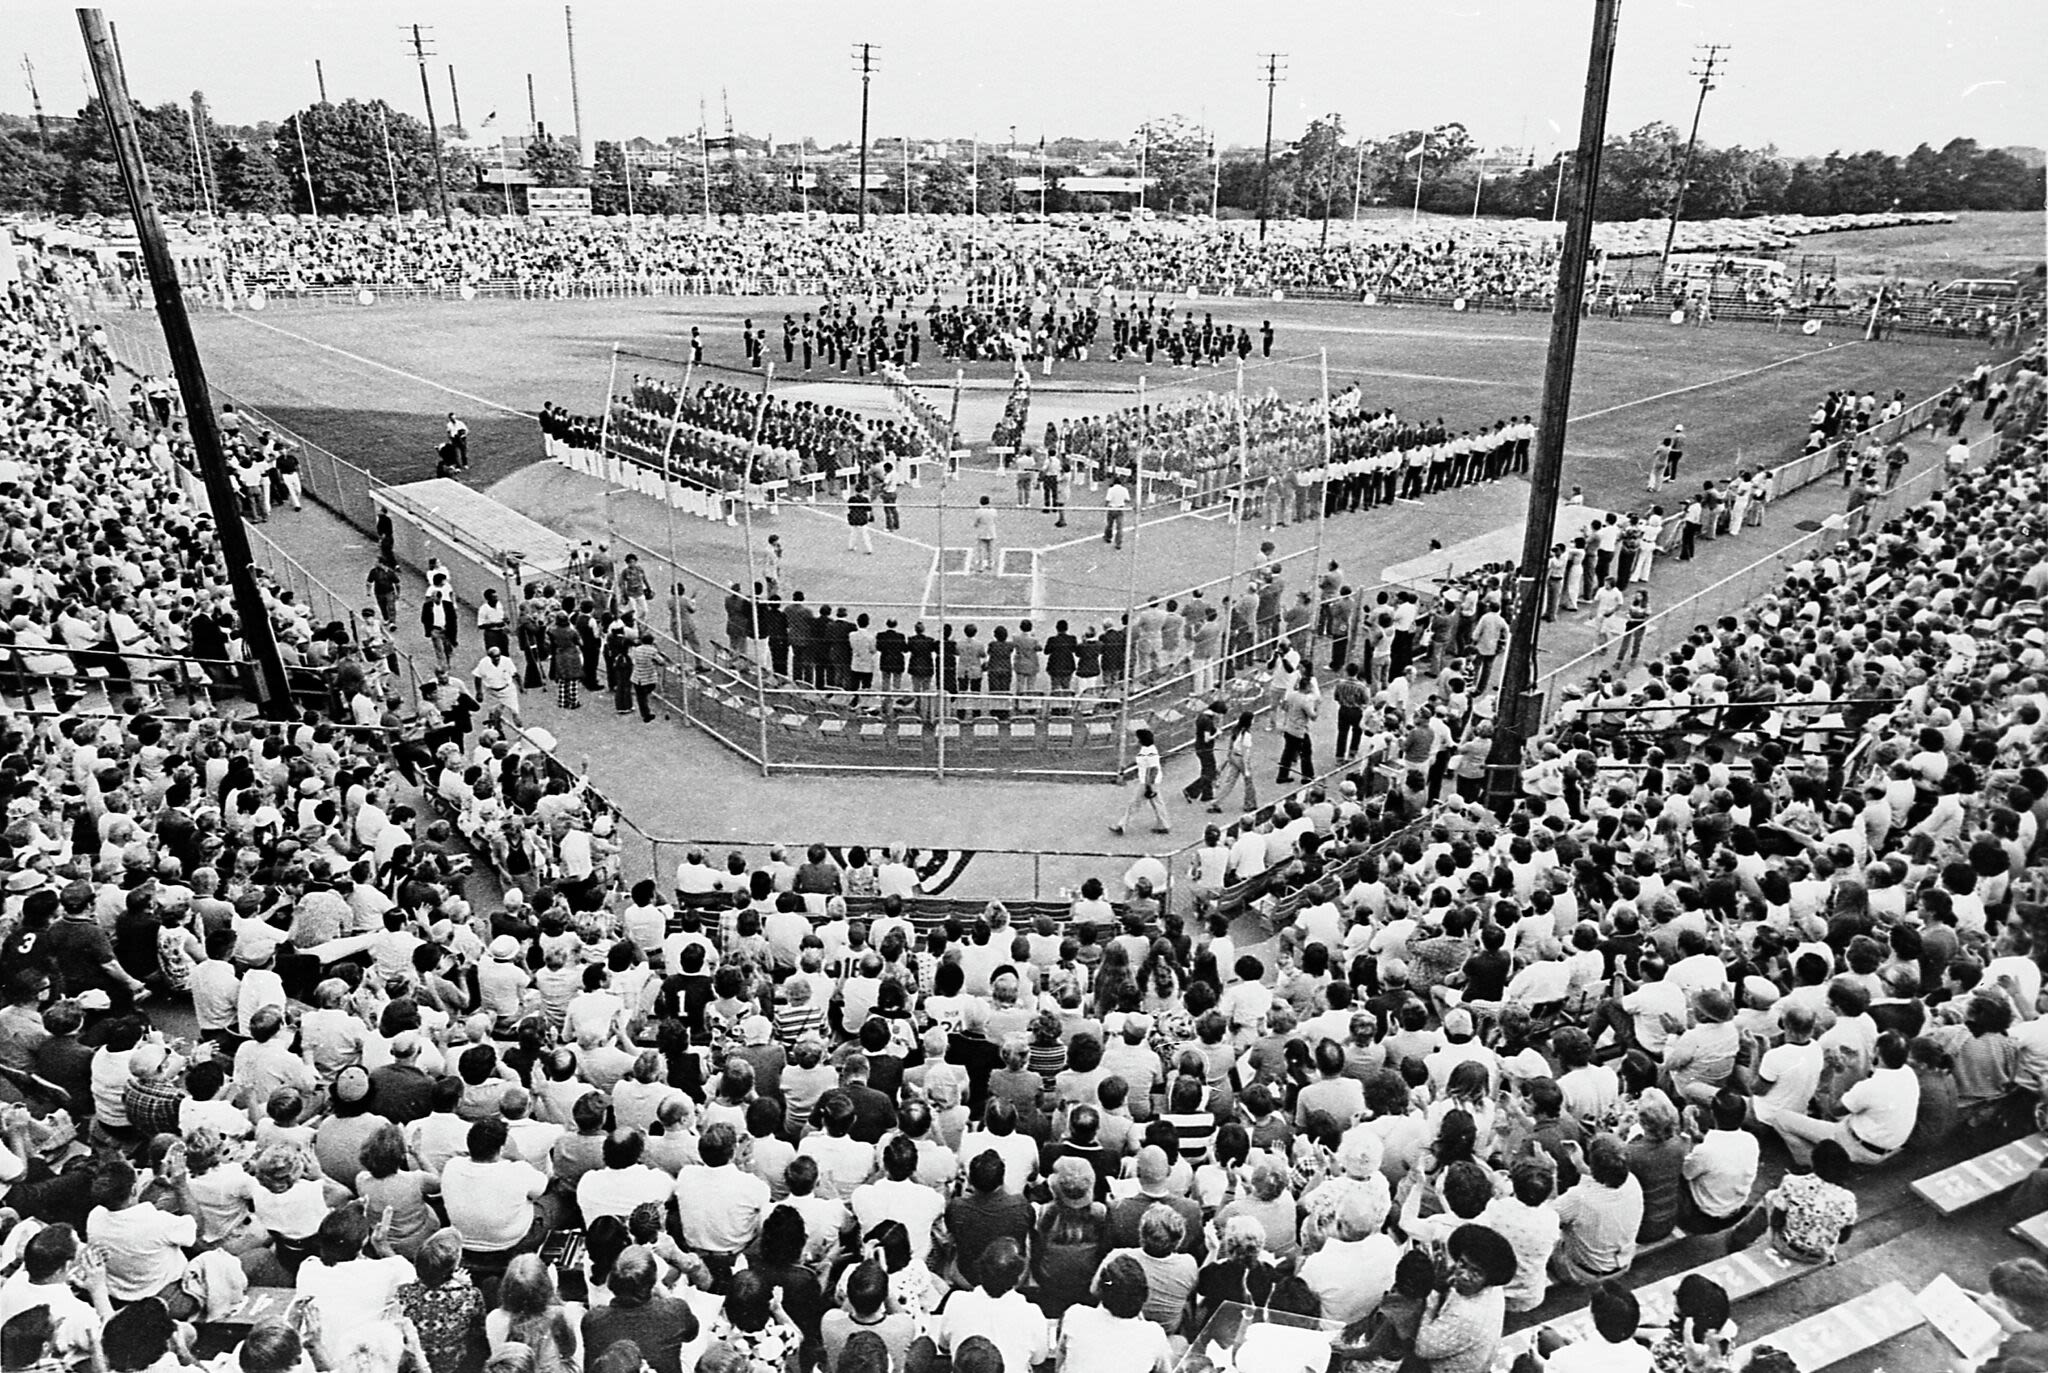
{"x": 2034, "y": 1231}
{"x": 1985, "y": 1176}
{"x": 1744, "y": 1273}
{"x": 1827, "y": 1337}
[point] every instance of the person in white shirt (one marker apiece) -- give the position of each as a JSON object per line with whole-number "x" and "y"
{"x": 997, "y": 1311}
{"x": 897, "y": 1195}
{"x": 53, "y": 1261}
{"x": 624, "y": 1182}
{"x": 143, "y": 1245}
{"x": 351, "y": 1276}
{"x": 1720, "y": 1171}
{"x": 720, "y": 1206}
{"x": 999, "y": 1132}
{"x": 1612, "y": 1347}
{"x": 1353, "y": 1271}
{"x": 1788, "y": 1074}
{"x": 1877, "y": 1113}
{"x": 1114, "y": 1337}
{"x": 494, "y": 1201}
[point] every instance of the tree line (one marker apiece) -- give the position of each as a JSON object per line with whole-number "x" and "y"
{"x": 364, "y": 157}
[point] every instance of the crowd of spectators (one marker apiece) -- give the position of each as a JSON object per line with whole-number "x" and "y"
{"x": 1487, "y": 264}
{"x": 730, "y": 257}
{"x": 756, "y": 1116}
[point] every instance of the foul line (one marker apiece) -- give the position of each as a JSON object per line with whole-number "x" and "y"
{"x": 1429, "y": 376}
{"x": 1714, "y": 381}
{"x": 386, "y": 367}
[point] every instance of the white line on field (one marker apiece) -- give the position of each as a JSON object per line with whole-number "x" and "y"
{"x": 1714, "y": 381}
{"x": 386, "y": 367}
{"x": 1428, "y": 376}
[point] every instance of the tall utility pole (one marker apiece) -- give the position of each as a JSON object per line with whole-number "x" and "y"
{"x": 35, "y": 98}
{"x": 864, "y": 53}
{"x": 1704, "y": 68}
{"x": 320, "y": 79}
{"x": 455, "y": 94}
{"x": 1273, "y": 61}
{"x": 1518, "y": 713}
{"x": 575, "y": 91}
{"x": 419, "y": 52}
{"x": 273, "y": 691}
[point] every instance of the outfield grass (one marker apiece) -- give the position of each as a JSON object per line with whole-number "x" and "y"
{"x": 373, "y": 384}
{"x": 505, "y": 359}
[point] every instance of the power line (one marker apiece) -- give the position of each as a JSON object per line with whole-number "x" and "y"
{"x": 864, "y": 53}
{"x": 1273, "y": 77}
{"x": 1704, "y": 68}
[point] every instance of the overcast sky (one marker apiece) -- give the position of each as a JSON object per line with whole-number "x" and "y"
{"x": 1809, "y": 75}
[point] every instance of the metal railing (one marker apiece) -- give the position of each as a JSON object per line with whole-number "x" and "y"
{"x": 1670, "y": 626}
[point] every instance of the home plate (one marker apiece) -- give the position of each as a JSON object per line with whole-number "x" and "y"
{"x": 1502, "y": 545}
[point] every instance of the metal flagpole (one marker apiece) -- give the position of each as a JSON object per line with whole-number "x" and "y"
{"x": 604, "y": 423}
{"x": 1421, "y": 161}
{"x": 1137, "y": 507}
{"x": 1478, "y": 186}
{"x": 505, "y": 170}
{"x": 704, "y": 153}
{"x": 1215, "y": 173}
{"x": 306, "y": 163}
{"x": 952, "y": 467}
{"x": 1041, "y": 176}
{"x": 974, "y": 180}
{"x": 803, "y": 177}
{"x": 939, "y": 684}
{"x": 1358, "y": 179}
{"x": 198, "y": 166}
{"x": 1144, "y": 149}
{"x": 1322, "y": 498}
{"x": 390, "y": 163}
{"x": 668, "y": 480}
{"x": 753, "y": 581}
{"x": 1240, "y": 494}
{"x": 906, "y": 178}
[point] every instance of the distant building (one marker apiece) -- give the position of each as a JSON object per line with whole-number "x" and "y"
{"x": 1109, "y": 187}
